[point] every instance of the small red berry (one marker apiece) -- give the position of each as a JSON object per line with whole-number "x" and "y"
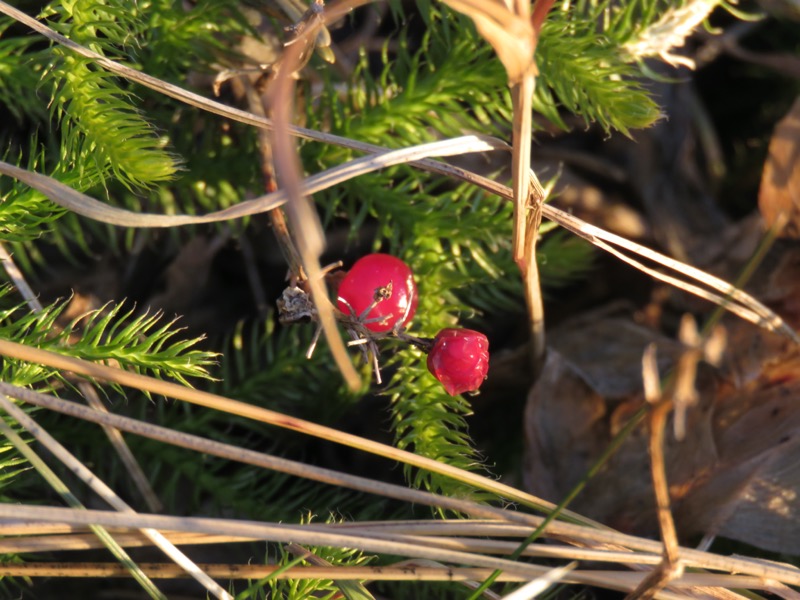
{"x": 380, "y": 290}
{"x": 459, "y": 359}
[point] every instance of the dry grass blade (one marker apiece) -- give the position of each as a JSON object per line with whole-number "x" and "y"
{"x": 475, "y": 527}
{"x": 304, "y": 223}
{"x": 83, "y": 541}
{"x": 205, "y": 446}
{"x": 30, "y": 543}
{"x": 124, "y": 452}
{"x": 308, "y": 535}
{"x": 732, "y": 298}
{"x": 403, "y": 572}
{"x": 671, "y": 566}
{"x": 585, "y": 535}
{"x": 107, "y": 494}
{"x": 743, "y": 311}
{"x": 316, "y": 535}
{"x": 87, "y": 206}
{"x": 526, "y": 224}
{"x": 512, "y": 34}
{"x": 533, "y": 292}
{"x": 62, "y": 490}
{"x": 534, "y": 588}
{"x": 18, "y": 280}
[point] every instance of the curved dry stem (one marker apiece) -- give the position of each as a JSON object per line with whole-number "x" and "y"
{"x": 85, "y": 205}
{"x": 303, "y": 219}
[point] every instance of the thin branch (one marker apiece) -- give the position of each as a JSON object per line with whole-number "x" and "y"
{"x": 277, "y": 216}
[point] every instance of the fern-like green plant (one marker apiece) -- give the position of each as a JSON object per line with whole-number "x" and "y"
{"x": 140, "y": 343}
{"x": 316, "y": 588}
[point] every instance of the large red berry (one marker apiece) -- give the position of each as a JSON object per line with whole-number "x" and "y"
{"x": 383, "y": 282}
{"x": 459, "y": 359}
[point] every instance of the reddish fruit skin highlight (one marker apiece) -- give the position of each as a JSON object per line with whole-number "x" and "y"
{"x": 370, "y": 273}
{"x": 459, "y": 359}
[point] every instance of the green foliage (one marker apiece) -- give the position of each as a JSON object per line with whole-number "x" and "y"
{"x": 174, "y": 41}
{"x": 102, "y": 127}
{"x": 105, "y": 145}
{"x": 585, "y": 72}
{"x": 140, "y": 343}
{"x": 97, "y": 118}
{"x": 268, "y": 367}
{"x": 24, "y": 213}
{"x": 300, "y": 589}
{"x": 19, "y": 78}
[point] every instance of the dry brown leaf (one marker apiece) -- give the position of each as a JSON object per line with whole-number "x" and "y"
{"x": 752, "y": 493}
{"x": 590, "y": 387}
{"x": 780, "y": 182}
{"x": 777, "y": 283}
{"x": 737, "y": 472}
{"x": 512, "y": 36}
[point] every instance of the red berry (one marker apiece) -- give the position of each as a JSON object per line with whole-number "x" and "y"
{"x": 383, "y": 282}
{"x": 459, "y": 359}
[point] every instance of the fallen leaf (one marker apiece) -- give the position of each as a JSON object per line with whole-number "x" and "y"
{"x": 736, "y": 473}
{"x": 779, "y": 195}
{"x": 752, "y": 493}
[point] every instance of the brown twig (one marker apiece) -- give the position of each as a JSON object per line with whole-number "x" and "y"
{"x": 670, "y": 567}
{"x": 682, "y": 395}
{"x": 277, "y": 216}
{"x": 307, "y": 229}
{"x": 528, "y": 199}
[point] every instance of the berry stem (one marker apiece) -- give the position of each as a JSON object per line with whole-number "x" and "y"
{"x": 424, "y": 344}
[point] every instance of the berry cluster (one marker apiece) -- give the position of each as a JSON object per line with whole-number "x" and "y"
{"x": 379, "y": 294}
